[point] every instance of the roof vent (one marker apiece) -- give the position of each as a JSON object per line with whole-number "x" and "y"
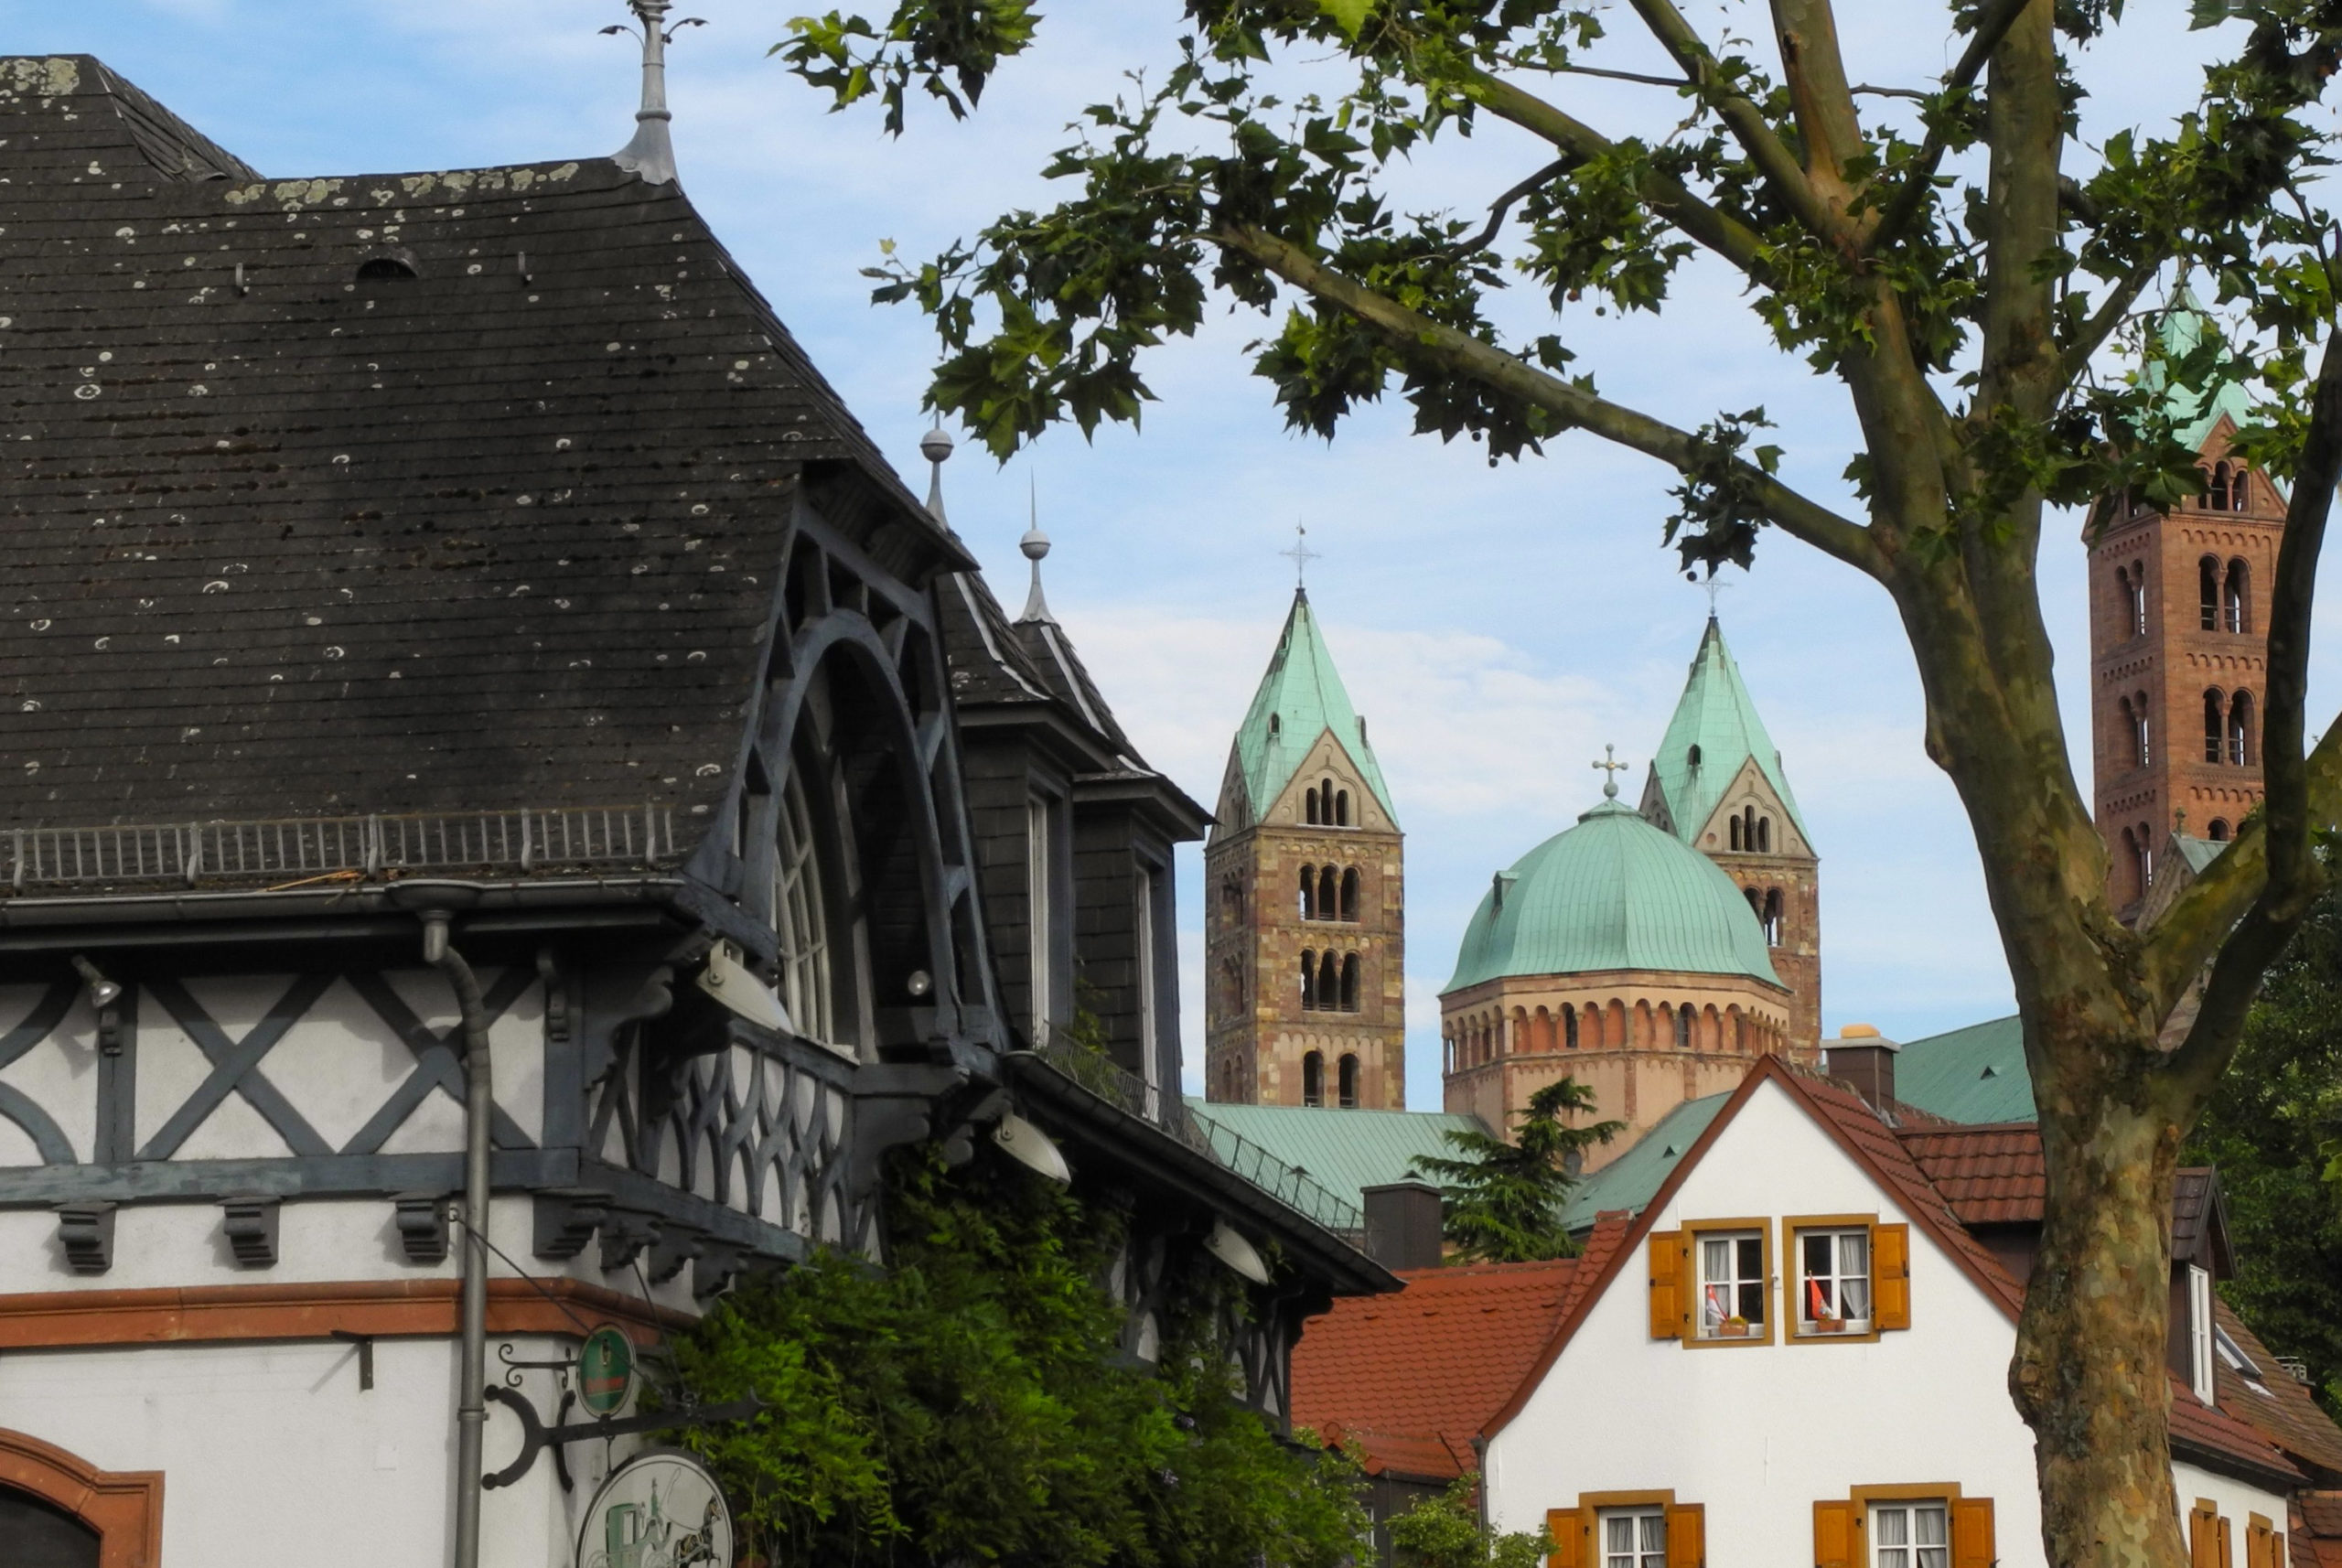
{"x": 395, "y": 262}
{"x": 1273, "y": 727}
{"x": 1694, "y": 759}
{"x": 1989, "y": 1072}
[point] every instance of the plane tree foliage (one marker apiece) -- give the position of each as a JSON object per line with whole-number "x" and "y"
{"x": 1970, "y": 270}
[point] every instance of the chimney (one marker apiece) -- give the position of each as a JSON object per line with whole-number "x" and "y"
{"x": 1403, "y": 1225}
{"x": 1863, "y": 1059}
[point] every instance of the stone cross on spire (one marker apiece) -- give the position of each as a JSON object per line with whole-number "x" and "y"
{"x": 1611, "y": 767}
{"x": 1300, "y": 555}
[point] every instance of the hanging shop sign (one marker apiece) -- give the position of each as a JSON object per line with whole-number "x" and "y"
{"x": 659, "y": 1509}
{"x": 606, "y": 1370}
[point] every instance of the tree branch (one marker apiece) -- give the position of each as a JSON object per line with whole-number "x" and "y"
{"x": 1749, "y": 127}
{"x": 1503, "y": 204}
{"x": 1460, "y": 354}
{"x": 1720, "y": 232}
{"x": 2298, "y": 788}
{"x": 1992, "y": 24}
{"x": 2109, "y": 313}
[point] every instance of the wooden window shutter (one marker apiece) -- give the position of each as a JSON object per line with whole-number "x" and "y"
{"x": 1667, "y": 1286}
{"x": 1890, "y": 1266}
{"x": 1567, "y": 1527}
{"x": 1834, "y": 1535}
{"x": 2260, "y": 1543}
{"x": 2203, "y": 1535}
{"x": 1971, "y": 1534}
{"x": 2226, "y": 1560}
{"x": 1687, "y": 1535}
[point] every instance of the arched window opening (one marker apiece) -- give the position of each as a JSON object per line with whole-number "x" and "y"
{"x": 1346, "y": 1080}
{"x": 1330, "y": 982}
{"x": 1329, "y": 895}
{"x": 1312, "y": 1079}
{"x": 1763, "y": 835}
{"x": 1770, "y": 915}
{"x": 1309, "y": 807}
{"x": 2241, "y": 738}
{"x": 1308, "y": 981}
{"x": 1349, "y": 895}
{"x": 2213, "y": 751}
{"x": 1569, "y": 1027}
{"x": 800, "y": 915}
{"x": 1231, "y": 899}
{"x": 2208, "y": 592}
{"x": 1755, "y": 902}
{"x": 2240, "y": 492}
{"x": 2234, "y": 600}
{"x": 2134, "y": 591}
{"x": 1735, "y": 831}
{"x": 2219, "y": 832}
{"x": 1308, "y": 892}
{"x": 41, "y": 1535}
{"x": 1691, "y": 758}
{"x": 1683, "y": 1027}
{"x": 1275, "y": 727}
{"x": 2140, "y": 748}
{"x": 1349, "y": 984}
{"x": 2146, "y": 853}
{"x": 1341, "y": 808}
{"x": 2216, "y": 494}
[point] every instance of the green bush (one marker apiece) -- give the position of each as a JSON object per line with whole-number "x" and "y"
{"x": 968, "y": 1404}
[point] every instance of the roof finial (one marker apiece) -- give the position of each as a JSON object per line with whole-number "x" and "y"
{"x": 1714, "y": 587}
{"x": 1611, "y": 767}
{"x": 651, "y": 153}
{"x": 1300, "y": 555}
{"x": 1035, "y": 544}
{"x": 935, "y": 447}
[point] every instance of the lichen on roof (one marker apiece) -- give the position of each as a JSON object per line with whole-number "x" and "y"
{"x": 1716, "y": 724}
{"x": 1303, "y": 694}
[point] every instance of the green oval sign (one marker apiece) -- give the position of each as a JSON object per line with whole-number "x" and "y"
{"x": 605, "y": 1370}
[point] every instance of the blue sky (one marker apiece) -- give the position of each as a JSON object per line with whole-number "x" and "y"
{"x": 1497, "y": 626}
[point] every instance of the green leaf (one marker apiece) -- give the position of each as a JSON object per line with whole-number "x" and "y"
{"x": 1347, "y": 14}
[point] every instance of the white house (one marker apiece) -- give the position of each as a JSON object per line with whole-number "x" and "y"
{"x": 1802, "y": 1352}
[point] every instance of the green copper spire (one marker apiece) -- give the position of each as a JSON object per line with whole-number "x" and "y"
{"x": 1714, "y": 731}
{"x": 1301, "y": 698}
{"x": 2193, "y": 412}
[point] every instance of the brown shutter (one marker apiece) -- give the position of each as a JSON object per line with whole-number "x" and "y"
{"x": 1567, "y": 1527}
{"x": 1834, "y": 1535}
{"x": 2257, "y": 1541}
{"x": 2203, "y": 1535}
{"x": 1687, "y": 1535}
{"x": 2226, "y": 1560}
{"x": 1971, "y": 1534}
{"x": 1890, "y": 1268}
{"x": 1667, "y": 1284}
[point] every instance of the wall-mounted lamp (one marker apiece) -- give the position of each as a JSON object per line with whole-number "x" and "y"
{"x": 919, "y": 985}
{"x": 103, "y": 992}
{"x": 1032, "y": 1148}
{"x": 1229, "y": 1245}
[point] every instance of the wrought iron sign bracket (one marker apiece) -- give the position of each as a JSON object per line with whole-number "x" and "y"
{"x": 536, "y": 1436}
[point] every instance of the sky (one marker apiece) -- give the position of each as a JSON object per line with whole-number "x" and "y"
{"x": 1497, "y": 626}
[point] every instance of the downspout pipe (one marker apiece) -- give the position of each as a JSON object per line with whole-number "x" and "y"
{"x": 471, "y": 1403}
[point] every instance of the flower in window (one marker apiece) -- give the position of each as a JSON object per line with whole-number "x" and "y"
{"x": 1731, "y": 1285}
{"x": 1833, "y": 1282}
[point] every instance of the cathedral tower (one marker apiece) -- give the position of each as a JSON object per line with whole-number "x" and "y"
{"x": 2178, "y": 607}
{"x": 1306, "y": 978}
{"x": 1716, "y": 782}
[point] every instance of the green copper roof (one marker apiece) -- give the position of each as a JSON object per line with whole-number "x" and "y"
{"x": 2193, "y": 413}
{"x": 1975, "y": 1074}
{"x": 1715, "y": 729}
{"x": 1613, "y": 892}
{"x": 1633, "y": 1179}
{"x": 1303, "y": 693}
{"x": 1344, "y": 1152}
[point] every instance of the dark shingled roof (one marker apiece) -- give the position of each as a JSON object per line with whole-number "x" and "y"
{"x": 285, "y": 541}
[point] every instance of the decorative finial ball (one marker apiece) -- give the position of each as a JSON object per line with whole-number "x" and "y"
{"x": 935, "y": 446}
{"x": 1035, "y": 544}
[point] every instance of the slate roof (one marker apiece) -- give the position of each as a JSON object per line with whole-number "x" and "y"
{"x": 1304, "y": 692}
{"x": 1717, "y": 718}
{"x": 283, "y": 542}
{"x": 1975, "y": 1074}
{"x": 1344, "y": 1151}
{"x": 1411, "y": 1378}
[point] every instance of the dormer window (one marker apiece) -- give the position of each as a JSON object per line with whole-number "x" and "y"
{"x": 393, "y": 263}
{"x": 2199, "y": 1333}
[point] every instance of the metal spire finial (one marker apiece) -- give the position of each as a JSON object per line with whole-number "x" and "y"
{"x": 935, "y": 447}
{"x": 1611, "y": 767}
{"x": 1300, "y": 555}
{"x": 1035, "y": 544}
{"x": 1715, "y": 585}
{"x": 651, "y": 153}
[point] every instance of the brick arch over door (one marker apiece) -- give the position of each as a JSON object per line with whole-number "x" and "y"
{"x": 125, "y": 1508}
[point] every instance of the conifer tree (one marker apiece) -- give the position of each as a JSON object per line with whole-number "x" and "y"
{"x": 1502, "y": 1201}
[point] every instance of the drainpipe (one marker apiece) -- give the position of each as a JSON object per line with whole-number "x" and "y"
{"x": 472, "y": 1404}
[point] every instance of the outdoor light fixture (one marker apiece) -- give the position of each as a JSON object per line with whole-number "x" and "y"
{"x": 1034, "y": 1150}
{"x": 103, "y": 992}
{"x": 1228, "y": 1246}
{"x": 919, "y": 985}
{"x": 732, "y": 983}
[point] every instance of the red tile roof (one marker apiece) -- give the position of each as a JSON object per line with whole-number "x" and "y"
{"x": 2276, "y": 1405}
{"x": 1405, "y": 1380}
{"x": 1991, "y": 1175}
{"x": 2195, "y": 1425}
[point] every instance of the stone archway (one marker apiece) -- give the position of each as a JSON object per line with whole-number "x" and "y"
{"x": 68, "y": 1500}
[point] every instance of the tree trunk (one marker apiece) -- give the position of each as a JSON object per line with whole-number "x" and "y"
{"x": 2090, "y": 1374}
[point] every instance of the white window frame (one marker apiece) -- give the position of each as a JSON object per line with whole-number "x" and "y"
{"x": 800, "y": 916}
{"x": 1837, "y": 1281}
{"x": 1150, "y": 887}
{"x": 1911, "y": 1516}
{"x": 1737, "y": 1284}
{"x": 1644, "y": 1521}
{"x": 2199, "y": 1334}
{"x": 1041, "y": 814}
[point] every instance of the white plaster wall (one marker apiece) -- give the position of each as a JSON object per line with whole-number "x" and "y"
{"x": 1758, "y": 1434}
{"x": 2238, "y": 1501}
{"x": 271, "y": 1453}
{"x": 59, "y": 1075}
{"x": 180, "y": 1245}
